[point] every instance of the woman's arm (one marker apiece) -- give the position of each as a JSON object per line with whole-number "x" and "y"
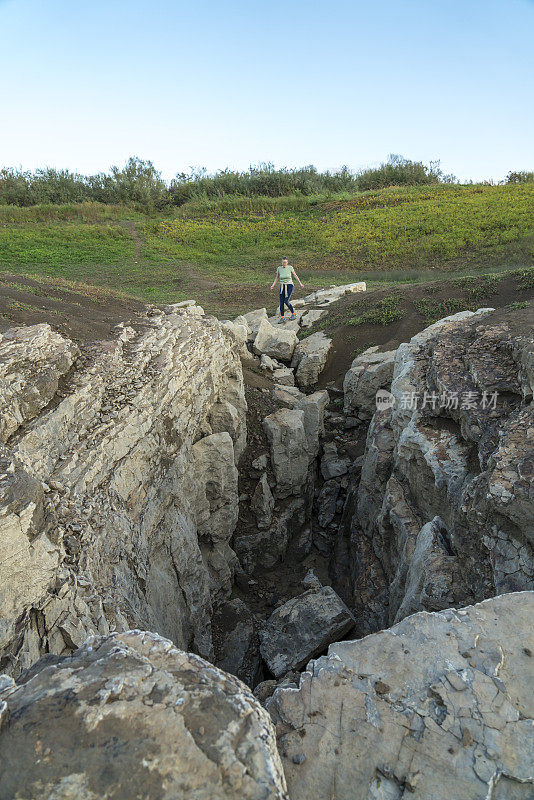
{"x": 275, "y": 279}
{"x": 297, "y": 277}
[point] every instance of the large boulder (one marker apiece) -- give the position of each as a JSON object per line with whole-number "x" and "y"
{"x": 439, "y": 706}
{"x": 129, "y": 716}
{"x": 309, "y": 358}
{"x": 290, "y": 457}
{"x": 254, "y": 320}
{"x": 276, "y": 342}
{"x": 302, "y": 628}
{"x": 369, "y": 372}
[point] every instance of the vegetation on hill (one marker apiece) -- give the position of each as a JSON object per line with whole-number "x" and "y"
{"x": 399, "y": 233}
{"x": 139, "y": 184}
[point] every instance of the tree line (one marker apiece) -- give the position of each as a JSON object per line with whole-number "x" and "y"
{"x": 140, "y": 184}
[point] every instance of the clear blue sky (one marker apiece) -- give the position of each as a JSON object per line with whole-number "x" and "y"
{"x": 222, "y": 83}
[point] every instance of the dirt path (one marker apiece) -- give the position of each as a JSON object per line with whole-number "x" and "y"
{"x": 82, "y": 313}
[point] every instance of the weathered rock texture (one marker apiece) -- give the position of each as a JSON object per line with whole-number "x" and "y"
{"x": 275, "y": 341}
{"x": 119, "y": 483}
{"x": 439, "y": 706}
{"x": 130, "y": 715}
{"x": 302, "y": 628}
{"x": 369, "y": 372}
{"x": 445, "y": 506}
{"x": 309, "y": 359}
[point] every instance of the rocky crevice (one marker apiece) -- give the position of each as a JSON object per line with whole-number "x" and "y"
{"x": 133, "y": 499}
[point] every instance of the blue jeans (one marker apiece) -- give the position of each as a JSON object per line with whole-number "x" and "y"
{"x": 286, "y": 290}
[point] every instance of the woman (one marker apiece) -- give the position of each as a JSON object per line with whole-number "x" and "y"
{"x": 285, "y": 275}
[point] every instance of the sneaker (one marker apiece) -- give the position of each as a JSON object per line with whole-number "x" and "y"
{"x": 293, "y": 316}
{"x": 282, "y": 319}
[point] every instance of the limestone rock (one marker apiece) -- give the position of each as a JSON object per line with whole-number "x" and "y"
{"x": 34, "y": 359}
{"x": 288, "y": 396}
{"x": 260, "y": 462}
{"x": 311, "y": 317}
{"x": 302, "y": 628}
{"x": 369, "y": 372}
{"x": 262, "y": 502}
{"x": 288, "y": 450}
{"x": 119, "y": 493}
{"x": 440, "y": 705}
{"x": 276, "y": 342}
{"x": 309, "y": 358}
{"x": 289, "y": 324}
{"x": 254, "y": 320}
{"x": 240, "y": 332}
{"x": 138, "y": 718}
{"x": 327, "y": 296}
{"x": 268, "y": 363}
{"x": 445, "y": 509}
{"x": 284, "y": 376}
{"x": 267, "y": 547}
{"x": 332, "y": 466}
{"x": 326, "y": 502}
{"x": 313, "y": 406}
{"x": 239, "y": 650}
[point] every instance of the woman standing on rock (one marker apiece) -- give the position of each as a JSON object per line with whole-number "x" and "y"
{"x": 285, "y": 274}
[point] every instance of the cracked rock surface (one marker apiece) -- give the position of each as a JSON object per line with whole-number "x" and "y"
{"x": 439, "y": 706}
{"x": 118, "y": 483}
{"x": 130, "y": 715}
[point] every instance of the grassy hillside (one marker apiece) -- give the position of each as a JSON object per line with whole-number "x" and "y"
{"x": 215, "y": 250}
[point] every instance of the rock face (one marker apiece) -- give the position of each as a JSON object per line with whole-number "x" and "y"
{"x": 302, "y": 628}
{"x": 439, "y": 706}
{"x": 309, "y": 359}
{"x": 119, "y": 484}
{"x": 276, "y": 342}
{"x": 445, "y": 511}
{"x": 369, "y": 372}
{"x": 130, "y": 715}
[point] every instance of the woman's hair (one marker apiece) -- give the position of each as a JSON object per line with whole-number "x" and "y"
{"x": 285, "y": 258}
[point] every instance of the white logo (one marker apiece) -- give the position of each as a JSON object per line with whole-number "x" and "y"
{"x": 384, "y": 399}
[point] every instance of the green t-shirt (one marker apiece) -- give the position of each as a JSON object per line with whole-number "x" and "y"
{"x": 284, "y": 273}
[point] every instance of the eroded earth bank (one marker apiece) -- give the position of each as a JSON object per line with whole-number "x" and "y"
{"x": 218, "y": 587}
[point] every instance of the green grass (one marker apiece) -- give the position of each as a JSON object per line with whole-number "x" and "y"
{"x": 387, "y": 236}
{"x": 384, "y": 311}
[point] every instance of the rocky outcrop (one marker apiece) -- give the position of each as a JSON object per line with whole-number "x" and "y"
{"x": 119, "y": 483}
{"x": 130, "y": 715}
{"x": 369, "y": 372}
{"x": 439, "y": 706}
{"x": 309, "y": 359}
{"x": 444, "y": 511}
